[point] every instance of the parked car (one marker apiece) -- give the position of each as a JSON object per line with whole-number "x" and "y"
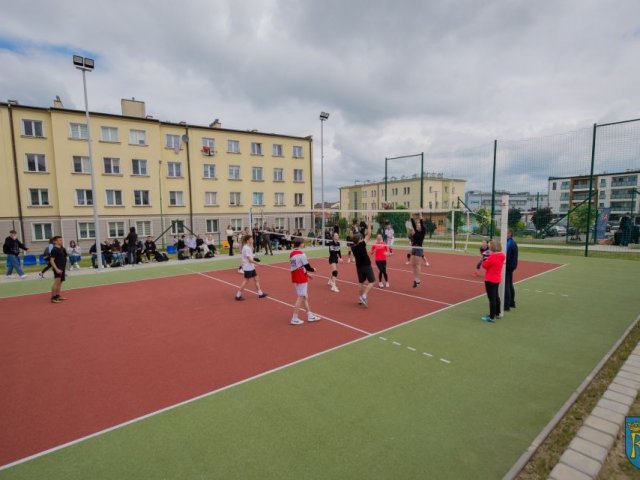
{"x": 557, "y": 231}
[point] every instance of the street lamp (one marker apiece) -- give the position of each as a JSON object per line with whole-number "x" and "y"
{"x": 323, "y": 116}
{"x": 87, "y": 65}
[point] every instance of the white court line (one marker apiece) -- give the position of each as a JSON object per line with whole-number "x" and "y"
{"x": 397, "y": 343}
{"x": 382, "y": 338}
{"x": 386, "y": 290}
{"x": 273, "y": 299}
{"x": 411, "y": 348}
{"x": 435, "y": 275}
{"x": 246, "y": 380}
{"x": 444, "y": 360}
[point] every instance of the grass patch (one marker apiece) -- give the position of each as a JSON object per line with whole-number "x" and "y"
{"x": 547, "y": 456}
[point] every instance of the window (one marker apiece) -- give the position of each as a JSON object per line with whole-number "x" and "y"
{"x": 603, "y": 194}
{"x": 78, "y": 131}
{"x": 298, "y": 199}
{"x": 256, "y": 148}
{"x": 84, "y": 197}
{"x": 554, "y": 185}
{"x": 116, "y": 229}
{"x": 298, "y": 175}
{"x": 603, "y": 182}
{"x": 174, "y": 169}
{"x": 114, "y": 198}
{"x": 36, "y": 163}
{"x": 213, "y": 225}
{"x": 137, "y": 137}
{"x": 374, "y": 193}
{"x": 278, "y": 175}
{"x": 81, "y": 165}
{"x": 177, "y": 227}
{"x": 279, "y": 199}
{"x": 430, "y": 189}
{"x": 111, "y": 166}
{"x": 211, "y": 198}
{"x": 209, "y": 146}
{"x": 32, "y": 128}
{"x": 141, "y": 198}
{"x": 209, "y": 170}
{"x": 276, "y": 150}
{"x": 234, "y": 198}
{"x": 298, "y": 223}
{"x": 564, "y": 186}
{"x": 256, "y": 174}
{"x": 373, "y": 205}
{"x": 445, "y": 204}
{"x": 143, "y": 227}
{"x": 297, "y": 151}
{"x": 258, "y": 198}
{"x": 233, "y": 146}
{"x": 278, "y": 223}
{"x": 172, "y": 141}
{"x": 236, "y": 224}
{"x": 364, "y": 194}
{"x": 430, "y": 205}
{"x": 364, "y": 206}
{"x": 109, "y": 134}
{"x": 42, "y": 231}
{"x": 446, "y": 189}
{"x": 234, "y": 172}
{"x": 139, "y": 167}
{"x": 407, "y": 190}
{"x": 176, "y": 199}
{"x": 86, "y": 230}
{"x": 394, "y": 191}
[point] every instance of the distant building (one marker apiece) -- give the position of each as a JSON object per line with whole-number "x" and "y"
{"x": 525, "y": 201}
{"x": 618, "y": 191}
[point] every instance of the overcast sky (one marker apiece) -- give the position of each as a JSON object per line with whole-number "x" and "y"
{"x": 397, "y": 77}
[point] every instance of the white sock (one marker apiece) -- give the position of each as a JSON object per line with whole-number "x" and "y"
{"x": 260, "y": 292}
{"x": 238, "y": 295}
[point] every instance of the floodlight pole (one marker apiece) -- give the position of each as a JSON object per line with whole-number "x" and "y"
{"x": 421, "y": 180}
{"x": 87, "y": 67}
{"x": 323, "y": 116}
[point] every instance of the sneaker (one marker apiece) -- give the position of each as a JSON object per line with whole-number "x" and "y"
{"x": 387, "y": 285}
{"x": 426, "y": 264}
{"x": 22, "y": 277}
{"x": 335, "y": 289}
{"x": 56, "y": 300}
{"x": 507, "y": 309}
{"x": 380, "y": 284}
{"x": 7, "y": 277}
{"x": 262, "y": 295}
{"x": 239, "y": 299}
{"x": 360, "y": 300}
{"x": 415, "y": 284}
{"x": 312, "y": 318}
{"x": 296, "y": 321}
{"x": 364, "y": 301}
{"x": 407, "y": 263}
{"x": 486, "y": 318}
{"x": 329, "y": 282}
{"x": 40, "y": 274}
{"x": 62, "y": 298}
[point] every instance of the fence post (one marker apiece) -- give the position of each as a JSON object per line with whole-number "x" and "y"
{"x": 504, "y": 226}
{"x": 593, "y": 157}
{"x": 493, "y": 192}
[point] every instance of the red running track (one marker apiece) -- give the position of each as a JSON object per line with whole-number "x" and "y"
{"x": 114, "y": 353}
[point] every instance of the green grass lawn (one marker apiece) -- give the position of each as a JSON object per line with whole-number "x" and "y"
{"x": 374, "y": 410}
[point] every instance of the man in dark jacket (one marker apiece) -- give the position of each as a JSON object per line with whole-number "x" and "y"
{"x": 512, "y": 264}
{"x": 132, "y": 246}
{"x": 11, "y": 249}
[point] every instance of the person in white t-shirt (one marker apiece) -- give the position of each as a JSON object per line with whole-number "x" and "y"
{"x": 249, "y": 268}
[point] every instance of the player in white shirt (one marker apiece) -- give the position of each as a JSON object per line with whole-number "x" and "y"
{"x": 249, "y": 268}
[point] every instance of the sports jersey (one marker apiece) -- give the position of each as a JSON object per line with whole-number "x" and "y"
{"x": 380, "y": 249}
{"x": 299, "y": 266}
{"x": 334, "y": 251}
{"x": 247, "y": 253}
{"x": 59, "y": 256}
{"x": 417, "y": 239}
{"x": 360, "y": 254}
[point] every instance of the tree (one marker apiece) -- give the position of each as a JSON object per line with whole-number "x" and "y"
{"x": 458, "y": 221}
{"x": 578, "y": 218}
{"x": 429, "y": 227}
{"x": 483, "y": 218}
{"x": 541, "y": 218}
{"x": 396, "y": 217}
{"x": 515, "y": 214}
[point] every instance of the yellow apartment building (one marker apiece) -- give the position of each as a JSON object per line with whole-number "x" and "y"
{"x": 440, "y": 195}
{"x": 150, "y": 174}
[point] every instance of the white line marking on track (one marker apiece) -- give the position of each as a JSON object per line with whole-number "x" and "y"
{"x": 273, "y": 299}
{"x": 382, "y": 338}
{"x": 564, "y": 295}
{"x": 397, "y": 343}
{"x": 246, "y": 380}
{"x": 439, "y": 276}
{"x": 411, "y": 348}
{"x": 378, "y": 289}
{"x": 444, "y": 360}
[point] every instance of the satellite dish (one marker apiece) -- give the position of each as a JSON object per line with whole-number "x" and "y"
{"x": 185, "y": 138}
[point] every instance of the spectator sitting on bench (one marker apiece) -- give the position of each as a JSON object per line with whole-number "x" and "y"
{"x": 75, "y": 255}
{"x": 210, "y": 244}
{"x": 139, "y": 251}
{"x": 149, "y": 248}
{"x": 182, "y": 248}
{"x": 190, "y": 242}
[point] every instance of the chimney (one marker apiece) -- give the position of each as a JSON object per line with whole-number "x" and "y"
{"x": 133, "y": 108}
{"x": 215, "y": 124}
{"x": 57, "y": 103}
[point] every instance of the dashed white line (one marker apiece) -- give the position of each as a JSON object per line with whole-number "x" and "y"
{"x": 427, "y": 354}
{"x": 444, "y": 360}
{"x": 397, "y": 343}
{"x": 411, "y": 348}
{"x": 382, "y": 338}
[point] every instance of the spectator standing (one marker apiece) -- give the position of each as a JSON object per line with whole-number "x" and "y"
{"x": 265, "y": 238}
{"x": 11, "y": 249}
{"x": 492, "y": 278}
{"x": 389, "y": 235}
{"x": 512, "y": 264}
{"x": 230, "y": 233}
{"x": 132, "y": 246}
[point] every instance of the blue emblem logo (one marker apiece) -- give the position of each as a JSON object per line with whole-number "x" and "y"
{"x": 632, "y": 439}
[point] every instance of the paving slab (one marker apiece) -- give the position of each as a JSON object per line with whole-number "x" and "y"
{"x": 613, "y": 405}
{"x": 625, "y": 374}
{"x": 581, "y": 462}
{"x": 626, "y": 382}
{"x": 596, "y": 436}
{"x": 602, "y": 425}
{"x": 607, "y": 414}
{"x": 565, "y": 472}
{"x": 616, "y": 387}
{"x": 619, "y": 397}
{"x": 589, "y": 449}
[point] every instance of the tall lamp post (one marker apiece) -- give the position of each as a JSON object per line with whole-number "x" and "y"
{"x": 86, "y": 65}
{"x": 323, "y": 116}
